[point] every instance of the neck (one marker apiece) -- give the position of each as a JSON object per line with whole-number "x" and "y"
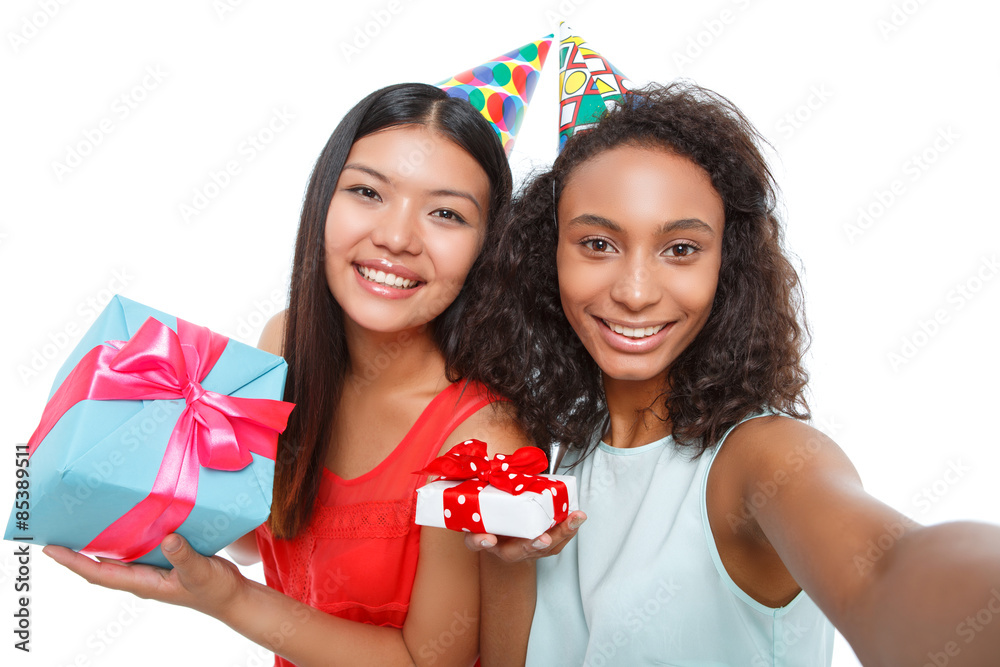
{"x": 638, "y": 416}
{"x": 388, "y": 362}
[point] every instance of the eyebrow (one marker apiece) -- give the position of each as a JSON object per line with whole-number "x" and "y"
{"x": 684, "y": 224}
{"x": 458, "y": 193}
{"x": 368, "y": 170}
{"x": 374, "y": 173}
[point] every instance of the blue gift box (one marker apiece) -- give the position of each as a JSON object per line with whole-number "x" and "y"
{"x": 102, "y": 456}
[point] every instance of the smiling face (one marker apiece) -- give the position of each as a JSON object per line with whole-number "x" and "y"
{"x": 404, "y": 226}
{"x": 638, "y": 257}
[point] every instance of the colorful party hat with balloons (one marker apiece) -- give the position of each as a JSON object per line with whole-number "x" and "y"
{"x": 501, "y": 88}
{"x": 588, "y": 84}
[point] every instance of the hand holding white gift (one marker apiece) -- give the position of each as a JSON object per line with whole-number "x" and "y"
{"x": 502, "y": 495}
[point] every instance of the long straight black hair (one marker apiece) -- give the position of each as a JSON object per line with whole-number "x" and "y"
{"x": 315, "y": 346}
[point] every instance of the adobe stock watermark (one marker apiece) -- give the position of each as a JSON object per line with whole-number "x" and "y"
{"x": 122, "y": 106}
{"x": 57, "y": 342}
{"x": 562, "y": 11}
{"x": 711, "y": 30}
{"x": 223, "y": 8}
{"x": 899, "y": 16}
{"x": 967, "y": 630}
{"x": 31, "y": 25}
{"x": 99, "y": 641}
{"x": 956, "y": 299}
{"x": 379, "y": 20}
{"x": 931, "y": 494}
{"x": 789, "y": 635}
{"x": 794, "y": 462}
{"x": 249, "y": 148}
{"x": 794, "y": 120}
{"x": 435, "y": 648}
{"x": 102, "y": 471}
{"x": 604, "y": 653}
{"x": 912, "y": 170}
{"x": 376, "y": 364}
{"x": 924, "y": 500}
{"x": 249, "y": 327}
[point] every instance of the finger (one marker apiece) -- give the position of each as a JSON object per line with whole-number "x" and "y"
{"x": 192, "y": 568}
{"x": 566, "y": 530}
{"x": 548, "y": 543}
{"x": 480, "y": 541}
{"x": 110, "y": 575}
{"x": 70, "y": 559}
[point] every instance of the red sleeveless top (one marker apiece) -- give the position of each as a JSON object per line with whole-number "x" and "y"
{"x": 357, "y": 557}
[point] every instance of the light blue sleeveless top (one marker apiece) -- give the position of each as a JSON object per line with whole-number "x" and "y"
{"x": 643, "y": 583}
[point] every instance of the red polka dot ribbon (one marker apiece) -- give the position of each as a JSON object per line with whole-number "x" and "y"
{"x": 515, "y": 474}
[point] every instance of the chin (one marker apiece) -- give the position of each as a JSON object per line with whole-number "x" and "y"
{"x": 633, "y": 373}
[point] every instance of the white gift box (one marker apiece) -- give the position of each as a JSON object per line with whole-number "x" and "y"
{"x": 526, "y": 515}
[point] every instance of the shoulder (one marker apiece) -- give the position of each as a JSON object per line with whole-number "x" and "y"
{"x": 765, "y": 443}
{"x": 272, "y": 337}
{"x": 496, "y": 425}
{"x": 771, "y": 463}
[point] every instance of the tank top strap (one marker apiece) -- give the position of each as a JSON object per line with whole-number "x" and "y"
{"x": 459, "y": 401}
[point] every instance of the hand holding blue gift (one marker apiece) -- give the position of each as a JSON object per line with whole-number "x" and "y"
{"x": 208, "y": 429}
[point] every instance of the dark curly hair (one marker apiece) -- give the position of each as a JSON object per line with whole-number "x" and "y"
{"x": 749, "y": 353}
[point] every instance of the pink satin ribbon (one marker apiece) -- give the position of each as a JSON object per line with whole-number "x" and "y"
{"x": 515, "y": 474}
{"x": 214, "y": 430}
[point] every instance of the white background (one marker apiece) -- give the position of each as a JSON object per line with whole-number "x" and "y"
{"x": 865, "y": 96}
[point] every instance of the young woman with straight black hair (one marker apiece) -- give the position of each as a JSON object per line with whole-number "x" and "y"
{"x": 383, "y": 373}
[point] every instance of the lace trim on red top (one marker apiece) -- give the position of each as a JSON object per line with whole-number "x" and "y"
{"x": 369, "y": 519}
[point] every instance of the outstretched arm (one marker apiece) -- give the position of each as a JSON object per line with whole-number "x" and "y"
{"x": 902, "y": 594}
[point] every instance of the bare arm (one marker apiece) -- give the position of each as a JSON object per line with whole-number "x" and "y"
{"x": 441, "y": 628}
{"x": 902, "y": 594}
{"x": 244, "y": 551}
{"x": 507, "y": 589}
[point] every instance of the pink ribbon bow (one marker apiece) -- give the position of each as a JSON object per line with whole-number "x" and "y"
{"x": 214, "y": 430}
{"x": 515, "y": 474}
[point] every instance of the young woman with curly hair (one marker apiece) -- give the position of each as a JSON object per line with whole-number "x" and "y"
{"x": 656, "y": 322}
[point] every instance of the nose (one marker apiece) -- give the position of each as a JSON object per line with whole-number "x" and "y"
{"x": 636, "y": 287}
{"x": 398, "y": 230}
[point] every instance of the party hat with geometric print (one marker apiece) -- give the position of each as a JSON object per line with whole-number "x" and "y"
{"x": 501, "y": 88}
{"x": 588, "y": 84}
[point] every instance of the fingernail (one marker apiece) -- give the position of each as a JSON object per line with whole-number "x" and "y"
{"x": 171, "y": 543}
{"x": 538, "y": 544}
{"x": 576, "y": 522}
{"x": 486, "y": 544}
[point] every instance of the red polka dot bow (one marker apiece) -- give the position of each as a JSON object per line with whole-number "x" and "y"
{"x": 515, "y": 474}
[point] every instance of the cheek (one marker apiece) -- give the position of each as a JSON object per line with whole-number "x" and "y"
{"x": 695, "y": 291}
{"x": 340, "y": 231}
{"x": 454, "y": 254}
{"x": 580, "y": 284}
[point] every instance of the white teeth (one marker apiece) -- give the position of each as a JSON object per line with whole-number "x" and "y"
{"x": 633, "y": 332}
{"x": 383, "y": 278}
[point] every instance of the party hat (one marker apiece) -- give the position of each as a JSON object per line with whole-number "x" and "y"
{"x": 501, "y": 88}
{"x": 588, "y": 84}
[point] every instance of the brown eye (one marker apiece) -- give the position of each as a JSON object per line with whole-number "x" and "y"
{"x": 366, "y": 192}
{"x": 682, "y": 250}
{"x": 448, "y": 214}
{"x": 597, "y": 245}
